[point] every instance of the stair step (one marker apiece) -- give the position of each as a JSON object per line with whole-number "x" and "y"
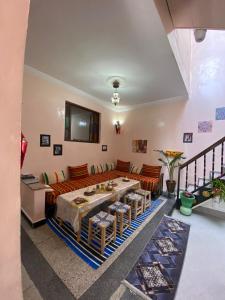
{"x": 212, "y": 208}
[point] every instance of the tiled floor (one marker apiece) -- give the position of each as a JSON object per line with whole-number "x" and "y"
{"x": 70, "y": 268}
{"x": 75, "y": 275}
{"x": 203, "y": 270}
{"x": 30, "y": 291}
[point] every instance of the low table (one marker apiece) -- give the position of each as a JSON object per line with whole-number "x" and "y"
{"x": 72, "y": 213}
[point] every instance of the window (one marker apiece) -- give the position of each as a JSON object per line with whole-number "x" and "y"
{"x": 81, "y": 124}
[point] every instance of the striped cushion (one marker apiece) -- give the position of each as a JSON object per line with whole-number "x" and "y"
{"x": 78, "y": 172}
{"x": 53, "y": 177}
{"x": 151, "y": 171}
{"x": 134, "y": 170}
{"x": 110, "y": 166}
{"x": 98, "y": 169}
{"x": 147, "y": 183}
{"x": 123, "y": 166}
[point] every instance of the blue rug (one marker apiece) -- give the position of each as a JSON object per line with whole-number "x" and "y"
{"x": 157, "y": 271}
{"x": 89, "y": 254}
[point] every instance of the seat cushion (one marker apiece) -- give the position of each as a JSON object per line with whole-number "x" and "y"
{"x": 78, "y": 172}
{"x": 123, "y": 166}
{"x": 53, "y": 177}
{"x": 119, "y": 207}
{"x": 151, "y": 171}
{"x": 134, "y": 197}
{"x": 103, "y": 219}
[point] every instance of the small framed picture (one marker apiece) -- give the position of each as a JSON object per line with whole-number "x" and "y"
{"x": 104, "y": 147}
{"x": 57, "y": 149}
{"x": 188, "y": 137}
{"x": 45, "y": 140}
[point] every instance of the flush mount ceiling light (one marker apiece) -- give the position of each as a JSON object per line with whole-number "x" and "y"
{"x": 116, "y": 97}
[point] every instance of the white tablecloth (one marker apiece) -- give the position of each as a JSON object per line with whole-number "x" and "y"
{"x": 69, "y": 212}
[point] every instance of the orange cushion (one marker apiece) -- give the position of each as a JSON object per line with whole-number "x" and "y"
{"x": 123, "y": 166}
{"x": 151, "y": 171}
{"x": 78, "y": 172}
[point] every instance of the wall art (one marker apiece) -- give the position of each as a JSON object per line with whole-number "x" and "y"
{"x": 220, "y": 113}
{"x": 104, "y": 148}
{"x": 139, "y": 146}
{"x": 205, "y": 126}
{"x": 57, "y": 149}
{"x": 188, "y": 137}
{"x": 45, "y": 140}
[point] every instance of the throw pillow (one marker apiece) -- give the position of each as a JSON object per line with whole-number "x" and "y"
{"x": 78, "y": 172}
{"x": 123, "y": 166}
{"x": 151, "y": 171}
{"x": 53, "y": 177}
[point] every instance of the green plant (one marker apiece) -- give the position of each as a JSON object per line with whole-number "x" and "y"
{"x": 218, "y": 188}
{"x": 170, "y": 162}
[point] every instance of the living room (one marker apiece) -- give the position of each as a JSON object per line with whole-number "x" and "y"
{"x": 141, "y": 85}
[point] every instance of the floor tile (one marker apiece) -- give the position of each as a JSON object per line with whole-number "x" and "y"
{"x": 26, "y": 281}
{"x": 31, "y": 294}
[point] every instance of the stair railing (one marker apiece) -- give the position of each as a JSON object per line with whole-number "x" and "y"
{"x": 202, "y": 154}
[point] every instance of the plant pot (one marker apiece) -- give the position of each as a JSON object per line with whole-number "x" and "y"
{"x": 171, "y": 184}
{"x": 186, "y": 207}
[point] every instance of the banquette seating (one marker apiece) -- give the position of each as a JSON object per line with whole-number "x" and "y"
{"x": 150, "y": 178}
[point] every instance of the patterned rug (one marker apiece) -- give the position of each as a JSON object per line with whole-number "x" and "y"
{"x": 90, "y": 255}
{"x": 157, "y": 272}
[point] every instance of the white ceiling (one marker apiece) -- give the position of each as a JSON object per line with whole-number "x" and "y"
{"x": 84, "y": 42}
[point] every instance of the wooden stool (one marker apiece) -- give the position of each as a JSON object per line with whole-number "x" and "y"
{"x": 136, "y": 202}
{"x": 103, "y": 225}
{"x": 147, "y": 197}
{"x": 123, "y": 214}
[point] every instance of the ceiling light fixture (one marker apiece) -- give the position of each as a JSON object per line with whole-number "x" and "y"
{"x": 116, "y": 97}
{"x": 200, "y": 34}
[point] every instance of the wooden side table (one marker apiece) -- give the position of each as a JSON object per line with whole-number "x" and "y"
{"x": 33, "y": 202}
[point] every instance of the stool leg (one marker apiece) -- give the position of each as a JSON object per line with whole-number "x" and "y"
{"x": 121, "y": 223}
{"x": 89, "y": 231}
{"x": 135, "y": 209}
{"x": 142, "y": 206}
{"x": 103, "y": 232}
{"x": 129, "y": 216}
{"x": 60, "y": 222}
{"x": 145, "y": 205}
{"x": 114, "y": 228}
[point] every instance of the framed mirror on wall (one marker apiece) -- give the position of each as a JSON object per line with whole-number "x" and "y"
{"x": 81, "y": 124}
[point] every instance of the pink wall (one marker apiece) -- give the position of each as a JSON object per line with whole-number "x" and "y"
{"x": 13, "y": 16}
{"x": 43, "y": 112}
{"x": 163, "y": 123}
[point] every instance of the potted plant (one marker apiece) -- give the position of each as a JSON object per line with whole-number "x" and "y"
{"x": 170, "y": 159}
{"x": 218, "y": 190}
{"x": 187, "y": 200}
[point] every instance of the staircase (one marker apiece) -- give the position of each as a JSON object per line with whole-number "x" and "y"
{"x": 196, "y": 174}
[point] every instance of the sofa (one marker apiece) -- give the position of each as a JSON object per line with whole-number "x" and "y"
{"x": 150, "y": 177}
